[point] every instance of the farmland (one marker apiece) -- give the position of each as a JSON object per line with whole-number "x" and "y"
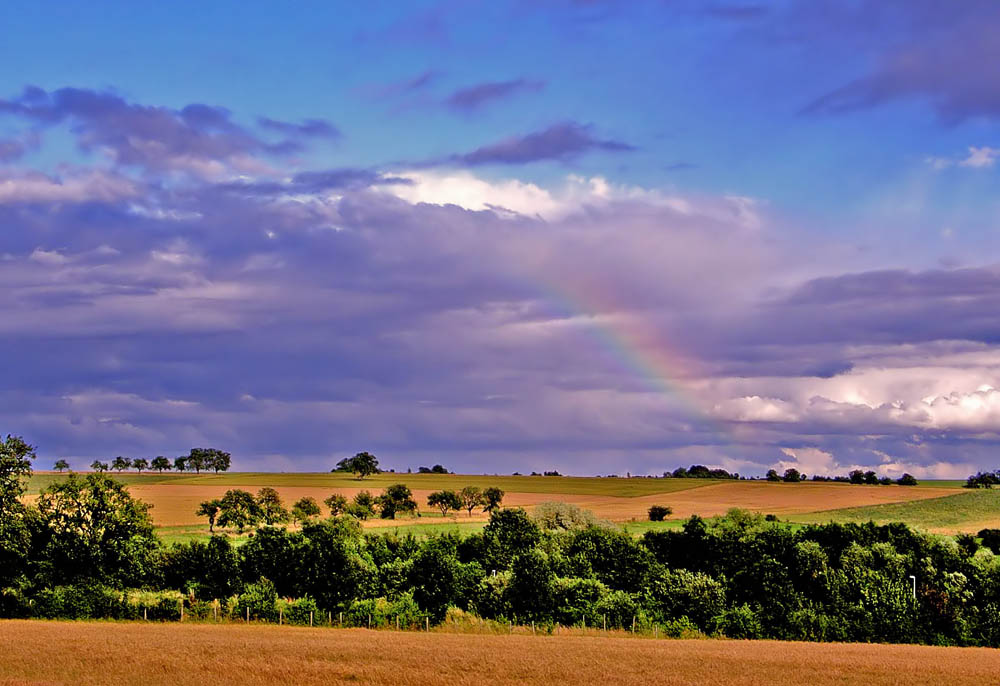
{"x": 86, "y": 652}
{"x": 175, "y": 498}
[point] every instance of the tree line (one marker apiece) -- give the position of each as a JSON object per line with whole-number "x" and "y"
{"x": 86, "y": 548}
{"x": 197, "y": 460}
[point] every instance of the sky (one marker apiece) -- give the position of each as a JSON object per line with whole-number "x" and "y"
{"x": 592, "y": 236}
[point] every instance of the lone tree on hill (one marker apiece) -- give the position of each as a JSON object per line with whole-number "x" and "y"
{"x": 160, "y": 463}
{"x": 120, "y": 463}
{"x": 362, "y": 465}
{"x": 337, "y": 504}
{"x": 140, "y": 463}
{"x": 272, "y": 510}
{"x": 394, "y": 500}
{"x": 305, "y": 509}
{"x": 210, "y": 509}
{"x": 61, "y": 466}
{"x": 494, "y": 496}
{"x": 444, "y": 501}
{"x": 472, "y": 497}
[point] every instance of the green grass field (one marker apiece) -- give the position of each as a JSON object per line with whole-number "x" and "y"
{"x": 966, "y": 511}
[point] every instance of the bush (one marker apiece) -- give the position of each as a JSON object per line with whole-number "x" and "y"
{"x": 682, "y": 627}
{"x": 555, "y": 516}
{"x": 383, "y": 612}
{"x": 260, "y": 599}
{"x": 298, "y": 611}
{"x": 740, "y": 622}
{"x": 657, "y": 513}
{"x": 619, "y": 609}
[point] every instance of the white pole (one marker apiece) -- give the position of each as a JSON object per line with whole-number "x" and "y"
{"x": 914, "y": 580}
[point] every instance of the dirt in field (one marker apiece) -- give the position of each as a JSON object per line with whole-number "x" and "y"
{"x": 179, "y": 655}
{"x": 175, "y": 504}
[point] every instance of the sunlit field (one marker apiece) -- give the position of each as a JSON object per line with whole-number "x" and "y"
{"x": 181, "y": 654}
{"x": 175, "y": 498}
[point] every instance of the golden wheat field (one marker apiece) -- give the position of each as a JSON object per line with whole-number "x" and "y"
{"x": 50, "y": 653}
{"x": 176, "y": 500}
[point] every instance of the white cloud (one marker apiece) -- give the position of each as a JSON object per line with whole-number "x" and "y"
{"x": 982, "y": 157}
{"x": 83, "y": 187}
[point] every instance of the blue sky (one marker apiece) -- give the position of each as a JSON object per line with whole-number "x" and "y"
{"x": 505, "y": 235}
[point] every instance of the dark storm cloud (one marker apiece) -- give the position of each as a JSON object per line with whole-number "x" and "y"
{"x": 562, "y": 141}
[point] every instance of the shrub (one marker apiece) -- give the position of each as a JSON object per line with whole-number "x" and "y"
{"x": 297, "y": 611}
{"x": 740, "y": 622}
{"x": 556, "y": 516}
{"x": 682, "y": 627}
{"x": 657, "y": 513}
{"x": 619, "y": 609}
{"x": 260, "y": 599}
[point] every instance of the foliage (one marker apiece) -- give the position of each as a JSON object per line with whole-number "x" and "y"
{"x": 121, "y": 463}
{"x": 140, "y": 463}
{"x": 494, "y": 498}
{"x": 907, "y": 480}
{"x": 657, "y": 513}
{"x": 239, "y": 509}
{"x": 210, "y": 509}
{"x": 305, "y": 509}
{"x": 471, "y": 498}
{"x": 259, "y": 601}
{"x": 272, "y": 510}
{"x": 444, "y": 501}
{"x": 207, "y": 458}
{"x": 363, "y": 506}
{"x": 337, "y": 504}
{"x": 61, "y": 466}
{"x": 362, "y": 464}
{"x": 395, "y": 499}
{"x": 160, "y": 463}
{"x": 554, "y": 515}
{"x": 983, "y": 480}
{"x": 99, "y": 466}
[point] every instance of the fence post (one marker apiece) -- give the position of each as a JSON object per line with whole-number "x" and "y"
{"x": 427, "y": 623}
{"x": 248, "y": 614}
{"x": 633, "y": 625}
{"x": 182, "y": 609}
{"x": 310, "y": 618}
{"x": 329, "y": 618}
{"x": 397, "y": 622}
{"x": 605, "y": 623}
{"x": 369, "y": 620}
{"x": 215, "y": 610}
{"x": 656, "y": 631}
{"x": 532, "y": 628}
{"x": 281, "y": 616}
{"x": 341, "y": 619}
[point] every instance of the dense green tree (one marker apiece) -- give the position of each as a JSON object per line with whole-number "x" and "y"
{"x": 99, "y": 466}
{"x": 657, "y": 513}
{"x": 509, "y": 533}
{"x": 238, "y": 509}
{"x": 772, "y": 475}
{"x": 363, "y": 506}
{"x": 272, "y": 510}
{"x": 494, "y": 498}
{"x": 16, "y": 458}
{"x": 856, "y": 477}
{"x": 871, "y": 478}
{"x": 61, "y": 466}
{"x": 362, "y": 465}
{"x": 472, "y": 497}
{"x": 210, "y": 509}
{"x": 121, "y": 463}
{"x": 434, "y": 576}
{"x": 180, "y": 463}
{"x": 92, "y": 528}
{"x": 208, "y": 569}
{"x": 208, "y": 458}
{"x": 444, "y": 501}
{"x": 160, "y": 463}
{"x": 337, "y": 504}
{"x": 140, "y": 463}
{"x": 792, "y": 476}
{"x": 305, "y": 509}
{"x": 531, "y": 586}
{"x": 907, "y": 480}
{"x": 396, "y": 499}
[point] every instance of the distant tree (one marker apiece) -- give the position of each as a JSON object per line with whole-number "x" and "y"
{"x": 99, "y": 466}
{"x": 361, "y": 465}
{"x": 982, "y": 480}
{"x": 436, "y": 469}
{"x": 444, "y": 501}
{"x": 792, "y": 475}
{"x": 305, "y": 509}
{"x": 180, "y": 463}
{"x": 680, "y": 473}
{"x": 140, "y": 463}
{"x": 61, "y": 466}
{"x": 907, "y": 480}
{"x": 272, "y": 510}
{"x": 657, "y": 513}
{"x": 160, "y": 463}
{"x": 363, "y": 506}
{"x": 856, "y": 477}
{"x": 238, "y": 509}
{"x": 871, "y": 478}
{"x": 337, "y": 504}
{"x": 210, "y": 509}
{"x": 772, "y": 475}
{"x": 885, "y": 481}
{"x": 120, "y": 463}
{"x": 395, "y": 499}
{"x": 208, "y": 458}
{"x": 472, "y": 497}
{"x": 494, "y": 496}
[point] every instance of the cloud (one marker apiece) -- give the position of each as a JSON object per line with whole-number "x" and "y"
{"x": 197, "y": 138}
{"x": 75, "y": 186}
{"x": 473, "y": 98}
{"x": 925, "y": 51}
{"x": 312, "y": 128}
{"x": 983, "y": 157}
{"x": 560, "y": 142}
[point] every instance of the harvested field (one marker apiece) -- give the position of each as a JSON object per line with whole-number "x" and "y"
{"x": 95, "y": 653}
